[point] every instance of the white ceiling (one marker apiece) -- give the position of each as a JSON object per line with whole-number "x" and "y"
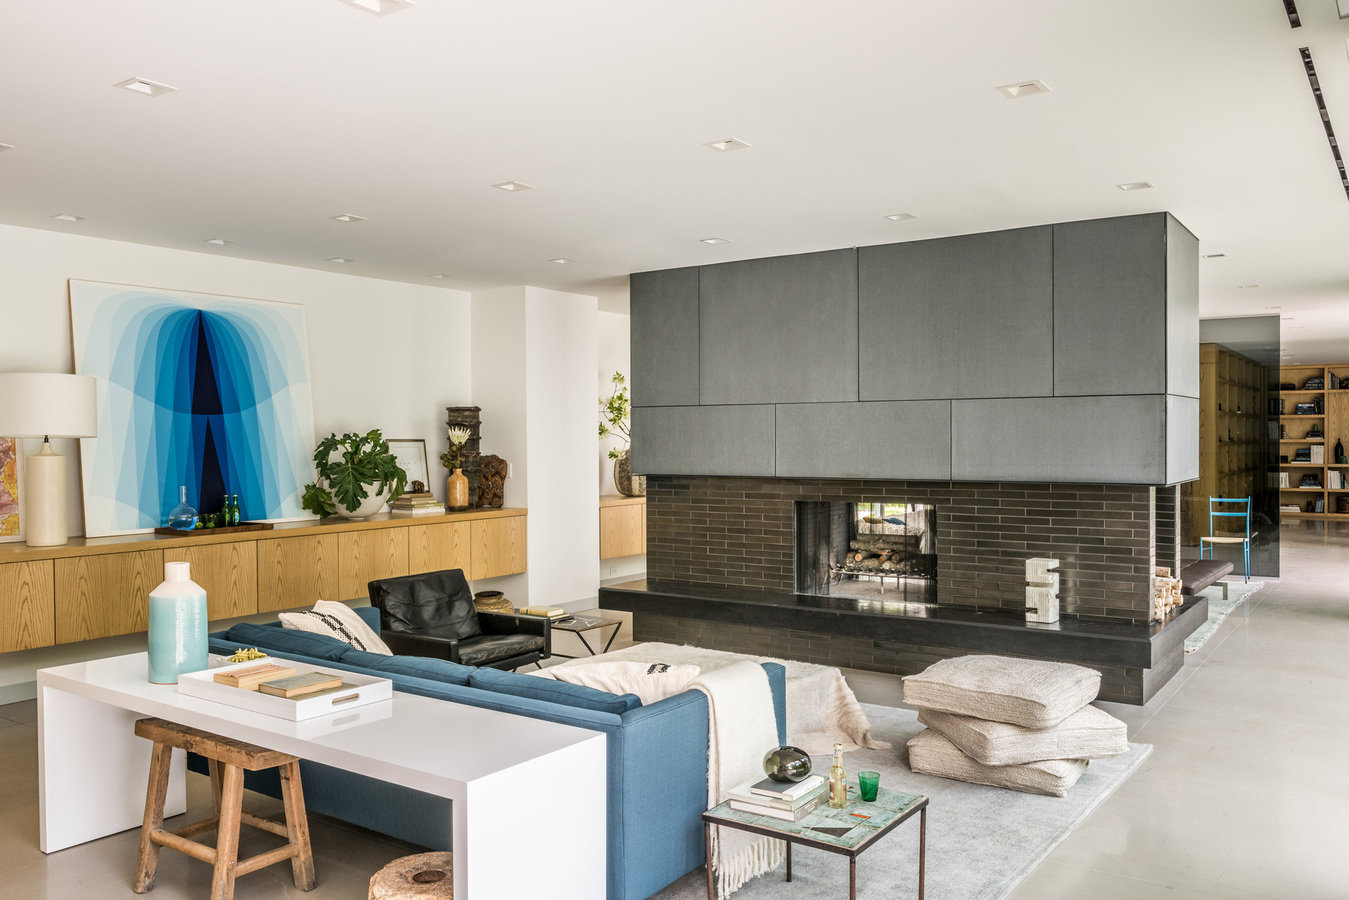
{"x": 288, "y": 113}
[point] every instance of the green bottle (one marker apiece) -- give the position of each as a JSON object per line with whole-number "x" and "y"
{"x": 235, "y": 516}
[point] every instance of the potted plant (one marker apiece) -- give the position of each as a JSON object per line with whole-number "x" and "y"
{"x": 357, "y": 474}
{"x": 615, "y": 421}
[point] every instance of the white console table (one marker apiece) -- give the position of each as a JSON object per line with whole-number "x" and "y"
{"x": 499, "y": 770}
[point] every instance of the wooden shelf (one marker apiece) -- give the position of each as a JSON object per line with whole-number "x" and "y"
{"x": 1335, "y": 416}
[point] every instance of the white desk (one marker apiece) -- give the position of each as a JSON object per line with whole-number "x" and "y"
{"x": 514, "y": 782}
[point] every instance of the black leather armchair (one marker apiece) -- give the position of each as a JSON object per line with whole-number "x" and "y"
{"x": 432, "y": 614}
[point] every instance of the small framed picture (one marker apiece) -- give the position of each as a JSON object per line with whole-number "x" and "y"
{"x": 11, "y": 476}
{"x": 412, "y": 459}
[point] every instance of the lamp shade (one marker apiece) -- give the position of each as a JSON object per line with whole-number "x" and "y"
{"x": 44, "y": 404}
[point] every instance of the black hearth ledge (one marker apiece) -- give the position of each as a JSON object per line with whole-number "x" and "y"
{"x": 1103, "y": 642}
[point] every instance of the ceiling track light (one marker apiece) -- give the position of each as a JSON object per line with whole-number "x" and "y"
{"x": 1294, "y": 20}
{"x": 513, "y": 186}
{"x": 727, "y": 145}
{"x": 1020, "y": 89}
{"x": 1315, "y": 83}
{"x": 145, "y": 86}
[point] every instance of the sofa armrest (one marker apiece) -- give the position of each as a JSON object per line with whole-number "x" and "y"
{"x": 404, "y": 644}
{"x": 507, "y": 623}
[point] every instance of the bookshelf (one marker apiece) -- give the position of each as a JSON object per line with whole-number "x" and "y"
{"x": 1234, "y": 437}
{"x": 1313, "y": 414}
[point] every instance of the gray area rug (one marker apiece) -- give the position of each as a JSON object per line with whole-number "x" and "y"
{"x": 1219, "y": 609}
{"x": 981, "y": 841}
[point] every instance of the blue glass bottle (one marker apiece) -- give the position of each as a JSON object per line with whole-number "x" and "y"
{"x": 182, "y": 517}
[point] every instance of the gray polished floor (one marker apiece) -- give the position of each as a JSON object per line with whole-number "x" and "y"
{"x": 1246, "y": 795}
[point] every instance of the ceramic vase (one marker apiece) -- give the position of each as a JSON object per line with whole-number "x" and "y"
{"x": 177, "y": 625}
{"x": 456, "y": 490}
{"x": 628, "y": 484}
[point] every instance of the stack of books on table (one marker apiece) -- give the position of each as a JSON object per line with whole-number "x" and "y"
{"x": 548, "y": 612}
{"x": 279, "y": 681}
{"x": 423, "y": 503}
{"x": 789, "y": 801}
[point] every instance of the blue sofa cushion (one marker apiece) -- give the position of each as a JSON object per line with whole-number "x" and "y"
{"x": 417, "y": 666}
{"x": 574, "y": 695}
{"x": 274, "y": 637}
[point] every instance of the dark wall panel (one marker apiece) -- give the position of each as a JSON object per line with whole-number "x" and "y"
{"x": 702, "y": 440}
{"x": 865, "y": 440}
{"x": 664, "y": 331}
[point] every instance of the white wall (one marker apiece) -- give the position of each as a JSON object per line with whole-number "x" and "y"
{"x": 615, "y": 355}
{"x": 382, "y": 354}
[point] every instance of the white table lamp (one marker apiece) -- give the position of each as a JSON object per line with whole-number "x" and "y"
{"x": 46, "y": 405}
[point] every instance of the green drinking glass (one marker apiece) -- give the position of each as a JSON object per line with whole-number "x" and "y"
{"x": 868, "y": 783}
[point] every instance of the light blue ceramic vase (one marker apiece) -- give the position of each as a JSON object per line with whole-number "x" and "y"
{"x": 177, "y": 625}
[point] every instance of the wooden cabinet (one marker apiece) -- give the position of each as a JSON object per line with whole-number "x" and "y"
{"x": 1312, "y": 483}
{"x": 228, "y": 572}
{"x": 102, "y": 596}
{"x": 442, "y": 546}
{"x": 622, "y": 526}
{"x": 94, "y": 588}
{"x": 27, "y": 610}
{"x": 296, "y": 572}
{"x": 364, "y": 556}
{"x": 498, "y": 548}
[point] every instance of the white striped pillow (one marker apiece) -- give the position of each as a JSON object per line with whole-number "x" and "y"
{"x": 336, "y": 620}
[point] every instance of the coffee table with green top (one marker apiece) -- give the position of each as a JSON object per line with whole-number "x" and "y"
{"x": 848, "y": 831}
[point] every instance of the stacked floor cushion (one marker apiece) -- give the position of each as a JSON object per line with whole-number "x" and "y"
{"x": 1023, "y": 724}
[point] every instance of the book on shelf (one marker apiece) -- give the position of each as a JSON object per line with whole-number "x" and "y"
{"x": 409, "y": 496}
{"x": 250, "y": 678}
{"x": 805, "y": 808}
{"x": 417, "y": 511}
{"x": 300, "y": 685}
{"x": 1318, "y": 453}
{"x": 786, "y": 790}
{"x": 1289, "y": 507}
{"x": 1283, "y": 480}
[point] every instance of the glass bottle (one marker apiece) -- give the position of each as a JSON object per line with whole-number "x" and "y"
{"x": 235, "y": 516}
{"x": 838, "y": 780}
{"x": 182, "y": 517}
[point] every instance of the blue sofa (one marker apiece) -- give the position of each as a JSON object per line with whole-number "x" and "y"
{"x": 657, "y": 754}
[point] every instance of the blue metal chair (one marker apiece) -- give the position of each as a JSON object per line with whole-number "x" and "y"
{"x": 1240, "y": 508}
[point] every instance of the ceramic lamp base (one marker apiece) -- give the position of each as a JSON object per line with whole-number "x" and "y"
{"x": 45, "y": 500}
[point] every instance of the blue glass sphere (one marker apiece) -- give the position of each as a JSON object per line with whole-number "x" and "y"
{"x": 786, "y": 764}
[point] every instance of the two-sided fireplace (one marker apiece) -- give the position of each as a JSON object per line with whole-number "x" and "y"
{"x": 866, "y": 549}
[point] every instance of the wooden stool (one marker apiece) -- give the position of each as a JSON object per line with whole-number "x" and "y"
{"x": 227, "y": 790}
{"x": 426, "y": 875}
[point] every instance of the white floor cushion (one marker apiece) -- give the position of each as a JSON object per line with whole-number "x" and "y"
{"x": 336, "y": 620}
{"x": 1089, "y": 733}
{"x": 932, "y": 754}
{"x": 1029, "y": 692}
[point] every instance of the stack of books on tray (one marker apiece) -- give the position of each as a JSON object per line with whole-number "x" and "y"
{"x": 789, "y": 801}
{"x": 280, "y": 681}
{"x": 422, "y": 503}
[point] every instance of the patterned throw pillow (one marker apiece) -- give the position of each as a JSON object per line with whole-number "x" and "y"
{"x": 649, "y": 681}
{"x": 336, "y": 620}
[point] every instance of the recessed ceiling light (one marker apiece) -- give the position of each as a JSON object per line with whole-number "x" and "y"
{"x": 1247, "y": 287}
{"x": 1134, "y": 185}
{"x": 1021, "y": 89}
{"x": 901, "y": 217}
{"x": 437, "y": 275}
{"x": 349, "y": 217}
{"x": 714, "y": 240}
{"x": 1215, "y": 255}
{"x": 68, "y": 217}
{"x": 145, "y": 86}
{"x": 339, "y": 259}
{"x": 1273, "y": 307}
{"x": 219, "y": 242}
{"x": 381, "y": 7}
{"x": 4, "y": 147}
{"x": 513, "y": 186}
{"x": 727, "y": 145}
{"x": 561, "y": 260}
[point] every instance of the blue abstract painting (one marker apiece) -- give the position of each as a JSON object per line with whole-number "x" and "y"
{"x": 194, "y": 389}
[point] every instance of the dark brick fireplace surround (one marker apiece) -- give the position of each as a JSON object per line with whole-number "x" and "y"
{"x": 720, "y": 573}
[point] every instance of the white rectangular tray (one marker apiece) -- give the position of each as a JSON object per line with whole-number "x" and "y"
{"x": 367, "y": 689}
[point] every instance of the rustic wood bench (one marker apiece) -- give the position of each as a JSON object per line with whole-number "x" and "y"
{"x": 227, "y": 791}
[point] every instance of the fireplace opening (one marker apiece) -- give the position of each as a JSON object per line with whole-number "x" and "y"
{"x": 867, "y": 550}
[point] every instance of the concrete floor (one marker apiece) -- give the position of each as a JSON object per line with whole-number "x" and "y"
{"x": 1246, "y": 795}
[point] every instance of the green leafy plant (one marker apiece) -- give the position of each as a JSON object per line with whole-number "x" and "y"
{"x": 616, "y": 415}
{"x": 350, "y": 465}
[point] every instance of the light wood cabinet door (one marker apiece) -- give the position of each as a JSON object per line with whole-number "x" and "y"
{"x": 364, "y": 556}
{"x": 228, "y": 572}
{"x": 101, "y": 596}
{"x": 296, "y": 572}
{"x": 435, "y": 547}
{"x": 498, "y": 547}
{"x": 26, "y": 605}
{"x": 622, "y": 530}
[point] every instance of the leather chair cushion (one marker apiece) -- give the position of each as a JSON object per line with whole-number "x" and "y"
{"x": 487, "y": 649}
{"x": 435, "y": 603}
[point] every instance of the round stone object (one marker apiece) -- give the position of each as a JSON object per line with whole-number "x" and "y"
{"x": 425, "y": 875}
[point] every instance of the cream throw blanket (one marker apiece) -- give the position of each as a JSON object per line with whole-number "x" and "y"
{"x": 821, "y": 708}
{"x": 741, "y": 728}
